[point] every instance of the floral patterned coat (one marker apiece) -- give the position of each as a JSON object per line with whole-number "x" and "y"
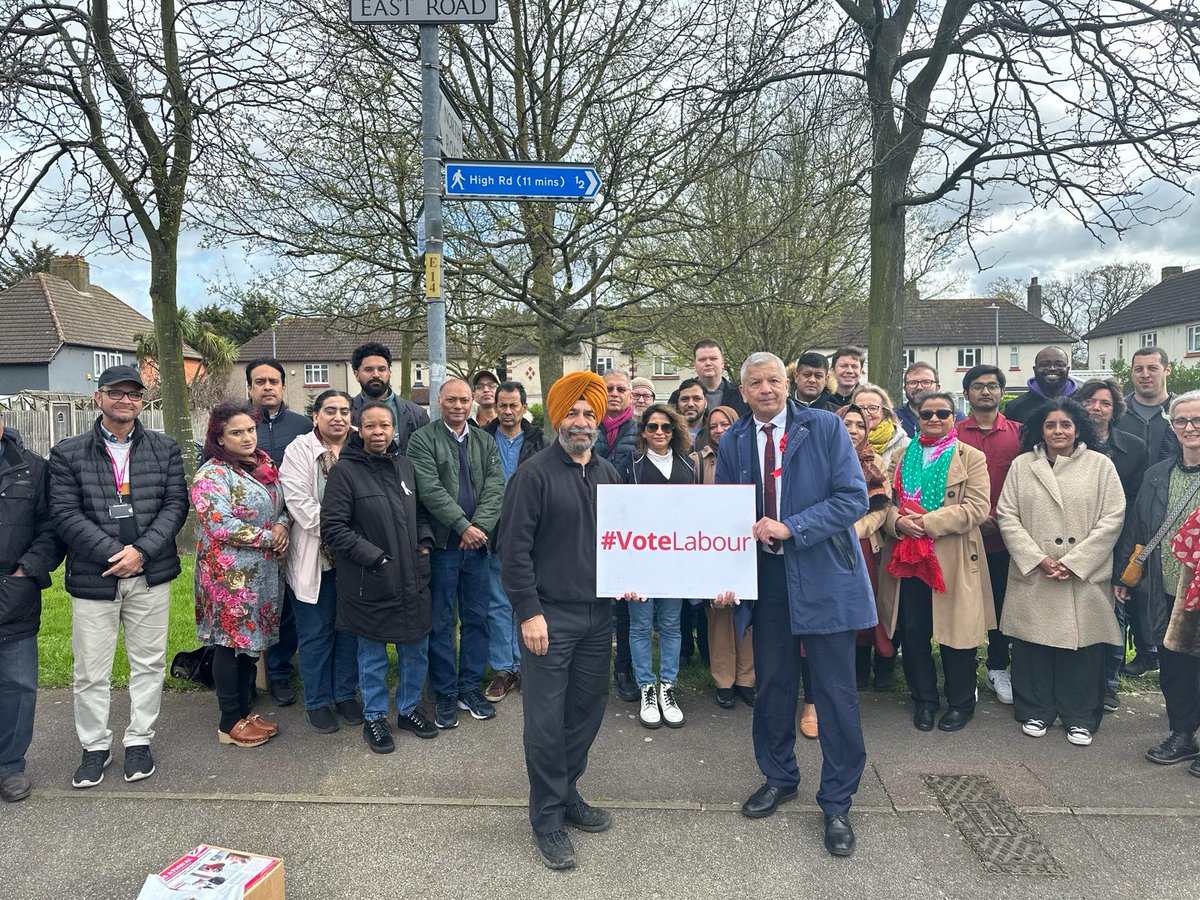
{"x": 239, "y": 579}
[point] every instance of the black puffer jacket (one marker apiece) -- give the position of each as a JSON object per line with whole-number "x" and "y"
{"x": 622, "y": 452}
{"x": 370, "y": 511}
{"x": 27, "y": 539}
{"x": 82, "y": 490}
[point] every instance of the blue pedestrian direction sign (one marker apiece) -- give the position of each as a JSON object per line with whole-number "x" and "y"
{"x": 472, "y": 179}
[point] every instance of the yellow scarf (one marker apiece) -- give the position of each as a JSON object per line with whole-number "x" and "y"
{"x": 881, "y": 435}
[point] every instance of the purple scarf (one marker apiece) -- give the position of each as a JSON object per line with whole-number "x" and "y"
{"x": 612, "y": 424}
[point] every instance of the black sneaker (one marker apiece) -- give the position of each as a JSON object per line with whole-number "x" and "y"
{"x": 446, "y": 711}
{"x": 1111, "y": 701}
{"x": 91, "y": 771}
{"x": 322, "y": 719}
{"x": 416, "y": 722}
{"x": 479, "y": 706}
{"x": 586, "y": 817}
{"x": 556, "y": 850}
{"x": 1140, "y": 665}
{"x": 139, "y": 764}
{"x": 350, "y": 710}
{"x": 378, "y": 736}
{"x": 283, "y": 692}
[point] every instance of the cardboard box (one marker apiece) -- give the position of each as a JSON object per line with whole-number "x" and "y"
{"x": 261, "y": 876}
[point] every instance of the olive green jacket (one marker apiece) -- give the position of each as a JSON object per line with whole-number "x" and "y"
{"x": 433, "y": 452}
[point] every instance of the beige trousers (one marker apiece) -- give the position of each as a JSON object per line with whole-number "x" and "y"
{"x": 730, "y": 660}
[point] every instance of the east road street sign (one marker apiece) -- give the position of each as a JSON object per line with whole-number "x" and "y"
{"x": 485, "y": 180}
{"x": 422, "y": 12}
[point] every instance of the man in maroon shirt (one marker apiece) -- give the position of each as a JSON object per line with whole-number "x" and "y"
{"x": 987, "y": 430}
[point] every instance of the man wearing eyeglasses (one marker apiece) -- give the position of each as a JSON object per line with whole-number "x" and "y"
{"x": 919, "y": 378}
{"x": 1051, "y": 379}
{"x": 118, "y": 499}
{"x": 999, "y": 439}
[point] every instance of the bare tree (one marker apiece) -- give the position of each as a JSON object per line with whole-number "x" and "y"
{"x": 1070, "y": 103}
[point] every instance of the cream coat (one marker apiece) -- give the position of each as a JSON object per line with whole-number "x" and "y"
{"x": 963, "y": 614}
{"x": 298, "y": 475}
{"x": 1072, "y": 512}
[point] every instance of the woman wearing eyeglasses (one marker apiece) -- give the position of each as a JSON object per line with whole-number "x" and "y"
{"x": 1060, "y": 513}
{"x": 1169, "y": 495}
{"x": 663, "y": 457}
{"x": 884, "y": 431}
{"x": 933, "y": 581}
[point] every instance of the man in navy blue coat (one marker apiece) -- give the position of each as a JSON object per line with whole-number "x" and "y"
{"x": 812, "y": 588}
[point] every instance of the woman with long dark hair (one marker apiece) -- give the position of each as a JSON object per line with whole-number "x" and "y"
{"x": 238, "y": 581}
{"x": 1060, "y": 513}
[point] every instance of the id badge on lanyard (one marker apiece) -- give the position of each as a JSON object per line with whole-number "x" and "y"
{"x": 122, "y": 509}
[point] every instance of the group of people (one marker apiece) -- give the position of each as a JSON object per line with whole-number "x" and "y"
{"x": 468, "y": 544}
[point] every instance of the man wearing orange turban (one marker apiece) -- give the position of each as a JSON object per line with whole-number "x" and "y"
{"x": 548, "y": 571}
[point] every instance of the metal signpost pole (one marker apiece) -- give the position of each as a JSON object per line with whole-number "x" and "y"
{"x": 432, "y": 172}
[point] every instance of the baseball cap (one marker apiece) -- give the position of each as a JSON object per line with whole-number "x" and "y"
{"x": 480, "y": 374}
{"x": 118, "y": 374}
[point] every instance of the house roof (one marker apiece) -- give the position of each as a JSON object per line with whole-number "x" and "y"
{"x": 321, "y": 338}
{"x": 1171, "y": 302}
{"x": 42, "y": 312}
{"x": 956, "y": 321}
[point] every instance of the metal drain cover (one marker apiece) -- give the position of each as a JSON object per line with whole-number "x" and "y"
{"x": 992, "y": 828}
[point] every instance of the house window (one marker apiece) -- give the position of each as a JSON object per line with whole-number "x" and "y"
{"x": 604, "y": 364}
{"x": 969, "y": 356}
{"x": 663, "y": 366}
{"x": 1120, "y": 348}
{"x": 910, "y": 357}
{"x": 1103, "y": 360}
{"x": 316, "y": 375}
{"x": 1193, "y": 339}
{"x": 1148, "y": 339}
{"x": 1014, "y": 357}
{"x": 418, "y": 373}
{"x": 102, "y": 360}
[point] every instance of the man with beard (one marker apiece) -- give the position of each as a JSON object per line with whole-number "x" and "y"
{"x": 1145, "y": 415}
{"x": 812, "y": 372}
{"x": 549, "y": 573}
{"x": 692, "y": 404}
{"x": 483, "y": 392}
{"x": 372, "y": 364}
{"x": 1051, "y": 379}
{"x": 919, "y": 378}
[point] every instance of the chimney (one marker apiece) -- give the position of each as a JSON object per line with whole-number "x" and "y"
{"x": 1171, "y": 271}
{"x": 912, "y": 293}
{"x": 1033, "y": 295}
{"x": 73, "y": 269}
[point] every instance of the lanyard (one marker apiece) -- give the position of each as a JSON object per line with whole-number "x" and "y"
{"x": 118, "y": 475}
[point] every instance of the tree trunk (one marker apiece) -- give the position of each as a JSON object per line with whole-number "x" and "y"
{"x": 406, "y": 354}
{"x": 885, "y": 351}
{"x": 550, "y": 365}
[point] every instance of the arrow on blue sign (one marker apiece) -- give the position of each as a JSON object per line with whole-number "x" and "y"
{"x": 484, "y": 180}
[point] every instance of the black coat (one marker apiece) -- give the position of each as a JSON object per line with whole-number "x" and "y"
{"x": 82, "y": 490}
{"x": 623, "y": 449}
{"x": 27, "y": 539}
{"x": 683, "y": 471}
{"x": 370, "y": 511}
{"x": 275, "y": 434}
{"x": 533, "y": 444}
{"x": 1128, "y": 455}
{"x": 1157, "y": 434}
{"x": 731, "y": 396}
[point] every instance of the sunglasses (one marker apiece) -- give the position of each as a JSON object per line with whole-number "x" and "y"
{"x": 664, "y": 427}
{"x": 943, "y": 414}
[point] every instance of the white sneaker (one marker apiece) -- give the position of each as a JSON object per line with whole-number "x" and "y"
{"x": 671, "y": 713}
{"x": 1080, "y": 737}
{"x": 1000, "y": 682}
{"x": 1034, "y": 728}
{"x": 649, "y": 715}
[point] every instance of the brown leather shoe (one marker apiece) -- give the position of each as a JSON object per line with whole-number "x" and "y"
{"x": 264, "y": 724}
{"x": 244, "y": 734}
{"x": 500, "y": 685}
{"x": 808, "y": 721}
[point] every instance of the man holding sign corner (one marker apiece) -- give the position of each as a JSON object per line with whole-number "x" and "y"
{"x": 813, "y": 588}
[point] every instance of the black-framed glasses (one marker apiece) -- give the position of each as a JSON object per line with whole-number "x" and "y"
{"x": 121, "y": 395}
{"x": 1182, "y": 423}
{"x": 642, "y": 395}
{"x": 664, "y": 427}
{"x": 923, "y": 383}
{"x": 942, "y": 414}
{"x": 989, "y": 386}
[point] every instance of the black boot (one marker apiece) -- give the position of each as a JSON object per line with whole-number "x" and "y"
{"x": 885, "y": 672}
{"x": 862, "y": 666}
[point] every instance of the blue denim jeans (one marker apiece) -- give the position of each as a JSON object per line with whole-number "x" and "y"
{"x": 279, "y": 655}
{"x": 504, "y": 637}
{"x": 1115, "y": 657}
{"x": 372, "y": 676}
{"x": 461, "y": 575}
{"x": 18, "y": 696}
{"x": 642, "y": 618}
{"x": 328, "y": 657}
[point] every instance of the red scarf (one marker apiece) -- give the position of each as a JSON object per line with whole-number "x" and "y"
{"x": 612, "y": 424}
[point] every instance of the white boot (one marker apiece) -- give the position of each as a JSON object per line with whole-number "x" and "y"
{"x": 649, "y": 715}
{"x": 671, "y": 713}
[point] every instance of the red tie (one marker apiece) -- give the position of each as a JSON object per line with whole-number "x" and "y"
{"x": 770, "y": 506}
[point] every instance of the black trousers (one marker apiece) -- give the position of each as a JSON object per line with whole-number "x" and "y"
{"x": 777, "y": 664}
{"x": 1053, "y": 683}
{"x": 1179, "y": 679}
{"x": 624, "y": 661}
{"x": 564, "y": 694}
{"x": 998, "y": 656}
{"x": 693, "y": 631}
{"x": 958, "y": 666}
{"x": 233, "y": 680}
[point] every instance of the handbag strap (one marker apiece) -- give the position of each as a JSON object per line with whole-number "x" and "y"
{"x": 1166, "y": 525}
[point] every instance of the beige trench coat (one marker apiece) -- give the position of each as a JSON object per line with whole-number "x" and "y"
{"x": 1072, "y": 511}
{"x": 962, "y": 615}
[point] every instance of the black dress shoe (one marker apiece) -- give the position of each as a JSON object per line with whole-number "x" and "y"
{"x": 748, "y": 694}
{"x": 1180, "y": 746}
{"x": 726, "y": 699}
{"x": 923, "y": 718}
{"x": 765, "y": 800}
{"x": 1140, "y": 665}
{"x": 283, "y": 692}
{"x": 627, "y": 688}
{"x": 954, "y": 720}
{"x": 839, "y": 835}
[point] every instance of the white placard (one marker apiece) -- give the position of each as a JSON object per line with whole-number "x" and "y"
{"x": 676, "y": 540}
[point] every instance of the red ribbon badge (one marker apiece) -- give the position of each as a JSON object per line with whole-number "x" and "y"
{"x": 782, "y": 447}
